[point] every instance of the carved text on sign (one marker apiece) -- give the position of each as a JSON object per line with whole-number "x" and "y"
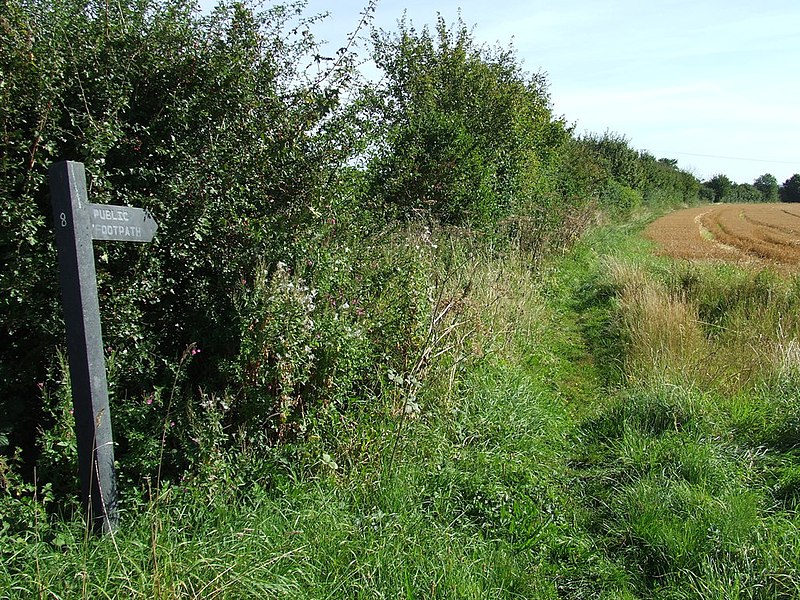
{"x": 123, "y": 223}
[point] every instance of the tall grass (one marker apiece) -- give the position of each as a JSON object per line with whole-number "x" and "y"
{"x": 449, "y": 486}
{"x": 504, "y": 462}
{"x": 706, "y": 325}
{"x": 691, "y": 466}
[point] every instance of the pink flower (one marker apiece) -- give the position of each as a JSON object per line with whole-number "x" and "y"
{"x": 149, "y": 400}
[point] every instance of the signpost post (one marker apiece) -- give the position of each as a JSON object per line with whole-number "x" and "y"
{"x": 77, "y": 223}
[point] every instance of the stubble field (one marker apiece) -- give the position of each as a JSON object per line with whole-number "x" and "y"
{"x": 743, "y": 233}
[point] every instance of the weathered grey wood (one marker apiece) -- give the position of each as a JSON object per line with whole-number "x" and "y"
{"x": 84, "y": 343}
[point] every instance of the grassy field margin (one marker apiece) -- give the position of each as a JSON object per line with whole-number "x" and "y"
{"x": 608, "y": 424}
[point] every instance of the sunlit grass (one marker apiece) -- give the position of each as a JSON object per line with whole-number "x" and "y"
{"x": 607, "y": 426}
{"x": 705, "y": 326}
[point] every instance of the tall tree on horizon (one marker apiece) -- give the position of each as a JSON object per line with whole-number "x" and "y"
{"x": 767, "y": 184}
{"x": 721, "y": 186}
{"x": 790, "y": 190}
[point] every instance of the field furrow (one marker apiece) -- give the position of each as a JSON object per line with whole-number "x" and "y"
{"x": 742, "y": 233}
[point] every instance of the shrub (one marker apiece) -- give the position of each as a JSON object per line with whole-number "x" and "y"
{"x": 208, "y": 122}
{"x": 468, "y": 137}
{"x": 619, "y": 160}
{"x": 276, "y": 293}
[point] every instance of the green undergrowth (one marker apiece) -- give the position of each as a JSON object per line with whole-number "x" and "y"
{"x": 688, "y": 465}
{"x": 452, "y": 485}
{"x": 545, "y": 451}
{"x": 475, "y": 504}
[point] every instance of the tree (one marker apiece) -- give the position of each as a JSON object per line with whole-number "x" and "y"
{"x": 208, "y": 122}
{"x": 721, "y": 186}
{"x": 768, "y": 186}
{"x": 619, "y": 159}
{"x": 790, "y": 190}
{"x": 665, "y": 183}
{"x": 744, "y": 192}
{"x": 706, "y": 194}
{"x": 467, "y": 136}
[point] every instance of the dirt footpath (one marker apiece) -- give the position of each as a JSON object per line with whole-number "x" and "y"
{"x": 758, "y": 234}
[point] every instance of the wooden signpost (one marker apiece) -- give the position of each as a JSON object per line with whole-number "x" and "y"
{"x": 77, "y": 222}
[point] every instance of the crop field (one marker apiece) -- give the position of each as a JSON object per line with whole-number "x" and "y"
{"x": 743, "y": 233}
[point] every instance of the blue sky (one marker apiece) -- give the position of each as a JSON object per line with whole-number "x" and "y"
{"x": 714, "y": 84}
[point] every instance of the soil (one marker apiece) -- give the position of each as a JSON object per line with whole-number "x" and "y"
{"x": 751, "y": 234}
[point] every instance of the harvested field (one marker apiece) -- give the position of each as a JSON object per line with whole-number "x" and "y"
{"x": 758, "y": 234}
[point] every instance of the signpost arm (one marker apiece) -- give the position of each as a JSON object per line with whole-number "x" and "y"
{"x": 84, "y": 343}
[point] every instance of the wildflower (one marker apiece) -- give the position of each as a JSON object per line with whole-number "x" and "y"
{"x": 195, "y": 351}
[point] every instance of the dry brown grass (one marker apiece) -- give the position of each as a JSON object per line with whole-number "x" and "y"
{"x": 661, "y": 327}
{"x": 667, "y": 339}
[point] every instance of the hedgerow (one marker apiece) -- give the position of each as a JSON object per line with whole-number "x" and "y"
{"x": 291, "y": 280}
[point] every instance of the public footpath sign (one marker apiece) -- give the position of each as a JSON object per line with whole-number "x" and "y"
{"x": 77, "y": 222}
{"x": 121, "y": 223}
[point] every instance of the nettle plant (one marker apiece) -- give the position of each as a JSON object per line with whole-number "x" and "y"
{"x": 278, "y": 348}
{"x": 318, "y": 342}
